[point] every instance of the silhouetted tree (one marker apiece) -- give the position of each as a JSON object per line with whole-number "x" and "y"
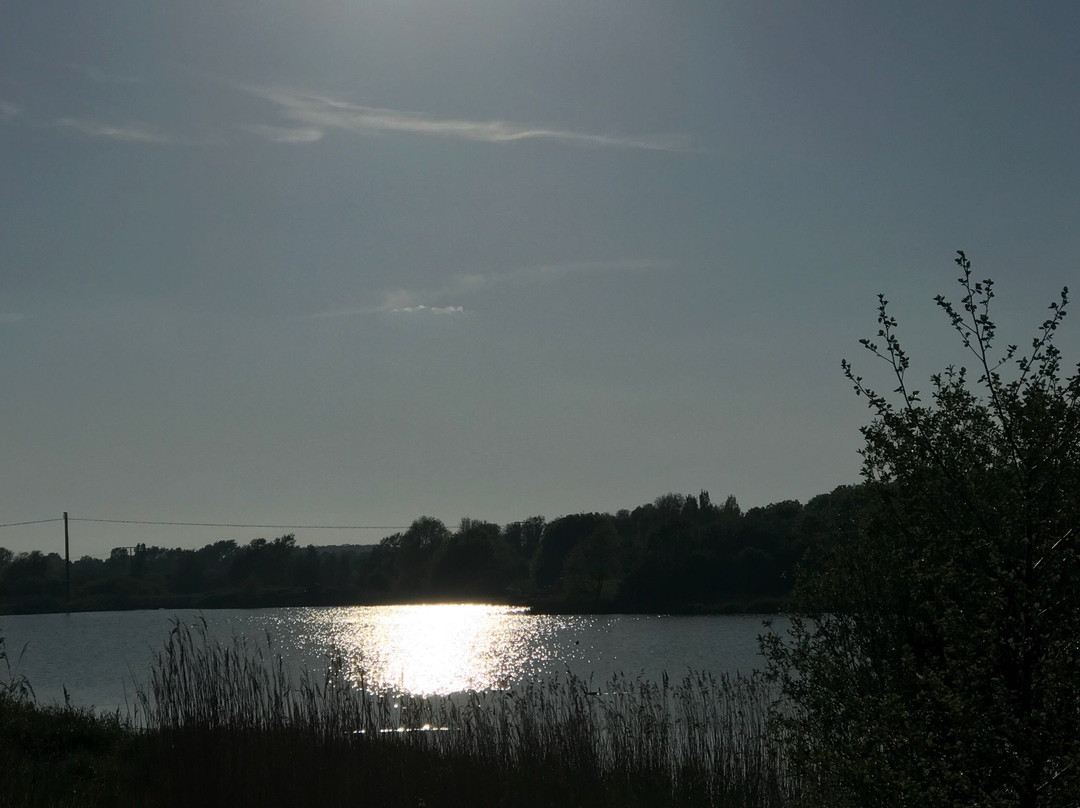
{"x": 472, "y": 562}
{"x": 559, "y": 539}
{"x": 933, "y": 658}
{"x": 593, "y": 562}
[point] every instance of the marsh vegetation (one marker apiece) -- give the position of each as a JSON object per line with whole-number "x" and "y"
{"x": 228, "y": 724}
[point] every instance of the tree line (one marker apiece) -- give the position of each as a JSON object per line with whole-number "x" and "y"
{"x": 680, "y": 553}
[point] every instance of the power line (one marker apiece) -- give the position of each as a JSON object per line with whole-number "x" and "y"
{"x": 32, "y": 522}
{"x": 226, "y": 524}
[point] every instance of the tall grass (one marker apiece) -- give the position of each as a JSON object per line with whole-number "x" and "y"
{"x": 234, "y": 715}
{"x": 13, "y": 684}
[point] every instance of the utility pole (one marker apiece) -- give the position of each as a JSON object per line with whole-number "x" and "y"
{"x": 67, "y": 557}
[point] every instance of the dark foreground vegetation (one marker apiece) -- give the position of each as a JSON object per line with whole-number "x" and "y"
{"x": 223, "y": 725}
{"x": 682, "y": 553}
{"x": 934, "y": 656}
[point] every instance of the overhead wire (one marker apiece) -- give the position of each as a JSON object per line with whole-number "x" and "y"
{"x": 229, "y": 524}
{"x": 33, "y": 522}
{"x": 206, "y": 524}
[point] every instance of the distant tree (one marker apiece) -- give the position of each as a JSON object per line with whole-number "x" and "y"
{"x": 704, "y": 501}
{"x": 471, "y": 562}
{"x": 264, "y": 563}
{"x": 690, "y": 507}
{"x": 425, "y": 533}
{"x": 674, "y": 568}
{"x": 416, "y": 549}
{"x": 33, "y": 574}
{"x": 671, "y": 503}
{"x": 769, "y": 548}
{"x": 559, "y": 539}
{"x": 593, "y": 563}
{"x": 731, "y": 506}
{"x": 119, "y": 559}
{"x": 525, "y": 536}
{"x": 933, "y": 657}
{"x": 187, "y": 574}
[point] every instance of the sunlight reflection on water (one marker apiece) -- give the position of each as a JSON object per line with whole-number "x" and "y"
{"x": 437, "y": 648}
{"x": 423, "y": 650}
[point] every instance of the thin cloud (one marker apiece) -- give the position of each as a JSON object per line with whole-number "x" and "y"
{"x": 323, "y": 114}
{"x": 402, "y": 301}
{"x": 398, "y": 301}
{"x": 126, "y": 132}
{"x": 12, "y": 317}
{"x": 406, "y": 301}
{"x": 9, "y": 110}
{"x": 385, "y": 309}
{"x": 422, "y": 309}
{"x": 286, "y": 134}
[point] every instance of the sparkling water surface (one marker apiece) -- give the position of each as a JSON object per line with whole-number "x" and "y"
{"x": 99, "y": 657}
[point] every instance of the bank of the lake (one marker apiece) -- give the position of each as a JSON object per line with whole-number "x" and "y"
{"x": 680, "y": 554}
{"x": 297, "y": 598}
{"x": 221, "y": 724}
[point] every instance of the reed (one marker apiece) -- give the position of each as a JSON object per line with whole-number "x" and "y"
{"x": 255, "y": 733}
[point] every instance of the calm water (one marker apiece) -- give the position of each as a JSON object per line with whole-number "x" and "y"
{"x": 418, "y": 649}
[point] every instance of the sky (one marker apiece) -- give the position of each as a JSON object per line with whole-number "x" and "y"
{"x": 351, "y": 263}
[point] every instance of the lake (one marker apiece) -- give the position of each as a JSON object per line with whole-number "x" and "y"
{"x": 419, "y": 649}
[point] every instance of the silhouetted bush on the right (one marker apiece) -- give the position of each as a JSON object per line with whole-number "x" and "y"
{"x": 933, "y": 656}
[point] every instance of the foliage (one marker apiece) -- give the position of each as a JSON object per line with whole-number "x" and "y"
{"x": 933, "y": 658}
{"x": 63, "y": 756}
{"x": 680, "y": 553}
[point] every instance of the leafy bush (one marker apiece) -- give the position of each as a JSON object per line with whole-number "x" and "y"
{"x": 934, "y": 658}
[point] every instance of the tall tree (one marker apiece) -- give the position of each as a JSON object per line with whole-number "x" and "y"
{"x": 933, "y": 656}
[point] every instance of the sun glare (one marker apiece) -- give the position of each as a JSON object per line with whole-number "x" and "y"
{"x": 427, "y": 649}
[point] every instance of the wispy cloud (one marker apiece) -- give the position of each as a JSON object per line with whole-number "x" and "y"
{"x": 436, "y": 301}
{"x": 8, "y": 110}
{"x": 388, "y": 306}
{"x": 321, "y": 113}
{"x": 304, "y": 118}
{"x": 422, "y": 309}
{"x": 125, "y": 132}
{"x": 11, "y": 317}
{"x": 540, "y": 273}
{"x": 286, "y": 134}
{"x": 472, "y": 283}
{"x": 392, "y": 302}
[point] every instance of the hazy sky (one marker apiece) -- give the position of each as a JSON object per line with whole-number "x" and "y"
{"x": 354, "y": 262}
